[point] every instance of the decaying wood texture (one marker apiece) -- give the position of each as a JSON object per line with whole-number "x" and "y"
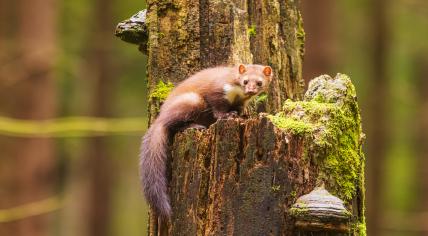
{"x": 241, "y": 176}
{"x": 224, "y": 179}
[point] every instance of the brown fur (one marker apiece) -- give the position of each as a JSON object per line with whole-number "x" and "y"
{"x": 199, "y": 100}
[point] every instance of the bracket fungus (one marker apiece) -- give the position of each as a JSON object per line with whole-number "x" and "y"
{"x": 320, "y": 211}
{"x": 134, "y": 30}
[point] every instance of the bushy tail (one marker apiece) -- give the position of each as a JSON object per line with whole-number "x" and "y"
{"x": 153, "y": 168}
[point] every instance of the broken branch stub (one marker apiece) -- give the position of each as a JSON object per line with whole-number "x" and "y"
{"x": 134, "y": 30}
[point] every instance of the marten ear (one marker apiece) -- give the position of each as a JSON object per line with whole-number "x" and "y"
{"x": 242, "y": 69}
{"x": 267, "y": 71}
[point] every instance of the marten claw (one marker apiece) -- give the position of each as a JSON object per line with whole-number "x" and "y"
{"x": 228, "y": 115}
{"x": 196, "y": 126}
{"x": 232, "y": 114}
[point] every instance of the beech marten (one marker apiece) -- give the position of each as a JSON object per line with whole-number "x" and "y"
{"x": 198, "y": 101}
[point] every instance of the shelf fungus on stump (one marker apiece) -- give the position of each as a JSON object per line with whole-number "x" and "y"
{"x": 134, "y": 30}
{"x": 320, "y": 211}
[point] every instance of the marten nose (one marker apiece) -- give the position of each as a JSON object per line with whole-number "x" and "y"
{"x": 251, "y": 92}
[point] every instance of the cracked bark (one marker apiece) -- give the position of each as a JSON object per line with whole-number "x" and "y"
{"x": 223, "y": 179}
{"x": 241, "y": 176}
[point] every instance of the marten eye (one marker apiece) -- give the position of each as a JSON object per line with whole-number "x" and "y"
{"x": 259, "y": 83}
{"x": 245, "y": 82}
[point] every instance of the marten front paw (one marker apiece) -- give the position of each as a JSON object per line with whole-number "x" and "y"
{"x": 196, "y": 126}
{"x": 226, "y": 115}
{"x": 232, "y": 114}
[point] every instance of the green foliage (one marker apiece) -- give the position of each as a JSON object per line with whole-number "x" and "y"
{"x": 161, "y": 91}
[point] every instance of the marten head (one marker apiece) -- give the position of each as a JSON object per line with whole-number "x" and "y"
{"x": 254, "y": 79}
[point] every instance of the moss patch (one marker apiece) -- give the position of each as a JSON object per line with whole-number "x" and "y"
{"x": 294, "y": 126}
{"x": 164, "y": 5}
{"x": 161, "y": 91}
{"x": 261, "y": 98}
{"x": 298, "y": 212}
{"x": 252, "y": 30}
{"x": 361, "y": 229}
{"x": 329, "y": 120}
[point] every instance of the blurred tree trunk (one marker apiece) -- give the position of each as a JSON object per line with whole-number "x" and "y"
{"x": 27, "y": 91}
{"x": 5, "y": 12}
{"x": 320, "y": 18}
{"x": 97, "y": 160}
{"x": 421, "y": 142}
{"x": 377, "y": 129}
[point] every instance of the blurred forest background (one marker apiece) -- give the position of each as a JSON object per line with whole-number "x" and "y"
{"x": 73, "y": 109}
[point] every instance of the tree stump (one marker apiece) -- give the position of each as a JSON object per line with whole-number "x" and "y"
{"x": 242, "y": 176}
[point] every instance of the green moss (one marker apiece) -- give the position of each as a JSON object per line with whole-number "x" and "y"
{"x": 276, "y": 188}
{"x": 299, "y": 211}
{"x": 291, "y": 125}
{"x": 331, "y": 106}
{"x": 293, "y": 194}
{"x": 303, "y": 117}
{"x": 361, "y": 229}
{"x": 329, "y": 119}
{"x": 164, "y": 5}
{"x": 252, "y": 30}
{"x": 161, "y": 91}
{"x": 161, "y": 35}
{"x": 261, "y": 98}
